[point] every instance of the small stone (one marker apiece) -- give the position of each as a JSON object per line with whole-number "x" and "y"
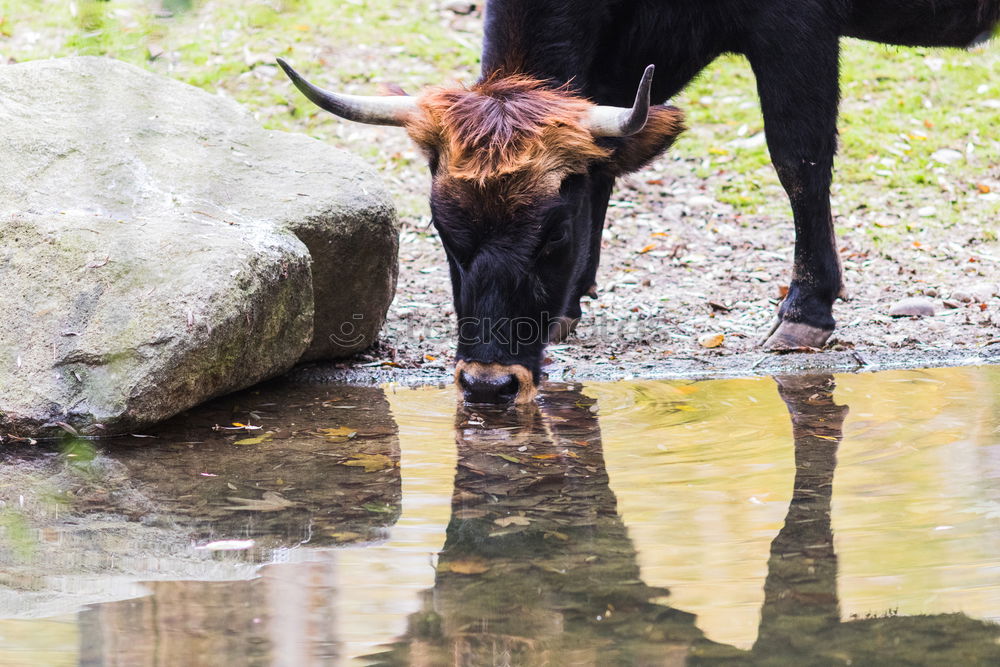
{"x": 913, "y": 307}
{"x": 927, "y": 212}
{"x": 460, "y": 7}
{"x": 931, "y": 292}
{"x": 961, "y": 295}
{"x": 711, "y": 340}
{"x": 947, "y": 156}
{"x": 952, "y": 304}
{"x": 983, "y": 292}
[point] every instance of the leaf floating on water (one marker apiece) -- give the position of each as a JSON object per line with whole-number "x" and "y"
{"x": 339, "y": 433}
{"x": 512, "y": 521}
{"x": 508, "y": 457}
{"x": 471, "y": 566}
{"x": 270, "y": 502}
{"x": 345, "y": 536}
{"x": 378, "y": 508}
{"x": 260, "y": 439}
{"x": 371, "y": 462}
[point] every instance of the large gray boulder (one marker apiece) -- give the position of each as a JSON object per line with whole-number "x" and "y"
{"x": 158, "y": 248}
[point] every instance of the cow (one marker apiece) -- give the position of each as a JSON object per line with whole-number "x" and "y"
{"x": 523, "y": 162}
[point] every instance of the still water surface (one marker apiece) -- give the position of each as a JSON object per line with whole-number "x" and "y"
{"x": 794, "y": 520}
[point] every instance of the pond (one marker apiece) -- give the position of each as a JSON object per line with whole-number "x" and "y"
{"x": 806, "y": 519}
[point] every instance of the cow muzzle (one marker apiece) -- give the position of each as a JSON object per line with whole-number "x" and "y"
{"x": 494, "y": 383}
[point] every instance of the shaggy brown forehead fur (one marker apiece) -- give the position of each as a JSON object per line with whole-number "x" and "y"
{"x": 510, "y": 133}
{"x": 509, "y": 141}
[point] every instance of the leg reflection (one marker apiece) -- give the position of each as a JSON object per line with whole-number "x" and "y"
{"x": 800, "y": 593}
{"x": 800, "y": 619}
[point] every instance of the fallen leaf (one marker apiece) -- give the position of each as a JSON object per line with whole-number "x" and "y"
{"x": 983, "y": 188}
{"x": 711, "y": 340}
{"x": 651, "y": 246}
{"x": 270, "y": 502}
{"x": 512, "y": 521}
{"x": 260, "y": 439}
{"x": 371, "y": 462}
{"x": 345, "y": 536}
{"x": 378, "y": 508}
{"x": 508, "y": 457}
{"x": 339, "y": 433}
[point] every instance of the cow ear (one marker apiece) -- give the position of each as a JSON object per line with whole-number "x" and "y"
{"x": 634, "y": 152}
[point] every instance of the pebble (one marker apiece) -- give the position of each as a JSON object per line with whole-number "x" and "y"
{"x": 962, "y": 296}
{"x": 983, "y": 292}
{"x": 460, "y": 7}
{"x": 917, "y": 306}
{"x": 947, "y": 156}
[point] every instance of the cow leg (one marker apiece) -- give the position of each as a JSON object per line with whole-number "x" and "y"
{"x": 797, "y": 79}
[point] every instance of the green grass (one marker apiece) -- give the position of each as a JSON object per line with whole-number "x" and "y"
{"x": 899, "y": 105}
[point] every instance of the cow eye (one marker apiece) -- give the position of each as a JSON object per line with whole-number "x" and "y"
{"x": 555, "y": 241}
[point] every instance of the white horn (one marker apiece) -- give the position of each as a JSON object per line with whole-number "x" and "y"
{"x": 621, "y": 121}
{"x": 371, "y": 109}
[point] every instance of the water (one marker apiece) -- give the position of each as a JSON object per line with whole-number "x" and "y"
{"x": 754, "y": 521}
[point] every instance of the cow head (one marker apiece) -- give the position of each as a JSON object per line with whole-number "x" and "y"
{"x": 522, "y": 172}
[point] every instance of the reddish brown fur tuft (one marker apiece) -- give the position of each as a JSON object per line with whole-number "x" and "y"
{"x": 512, "y": 139}
{"x": 510, "y": 136}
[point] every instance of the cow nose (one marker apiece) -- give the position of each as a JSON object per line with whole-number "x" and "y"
{"x": 500, "y": 388}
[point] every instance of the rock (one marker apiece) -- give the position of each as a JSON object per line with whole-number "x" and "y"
{"x": 947, "y": 156}
{"x": 158, "y": 248}
{"x": 983, "y": 292}
{"x": 459, "y": 6}
{"x": 917, "y": 306}
{"x": 962, "y": 296}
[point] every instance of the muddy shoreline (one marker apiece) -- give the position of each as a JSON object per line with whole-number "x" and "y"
{"x": 701, "y": 367}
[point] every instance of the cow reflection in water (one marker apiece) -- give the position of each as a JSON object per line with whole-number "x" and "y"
{"x": 538, "y": 568}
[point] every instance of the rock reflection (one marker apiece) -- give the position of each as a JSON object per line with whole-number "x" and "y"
{"x": 326, "y": 469}
{"x": 97, "y": 521}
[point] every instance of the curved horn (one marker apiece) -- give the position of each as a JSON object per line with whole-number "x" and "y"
{"x": 620, "y": 121}
{"x": 375, "y": 110}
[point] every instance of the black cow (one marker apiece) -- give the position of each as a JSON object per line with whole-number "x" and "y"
{"x": 523, "y": 162}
